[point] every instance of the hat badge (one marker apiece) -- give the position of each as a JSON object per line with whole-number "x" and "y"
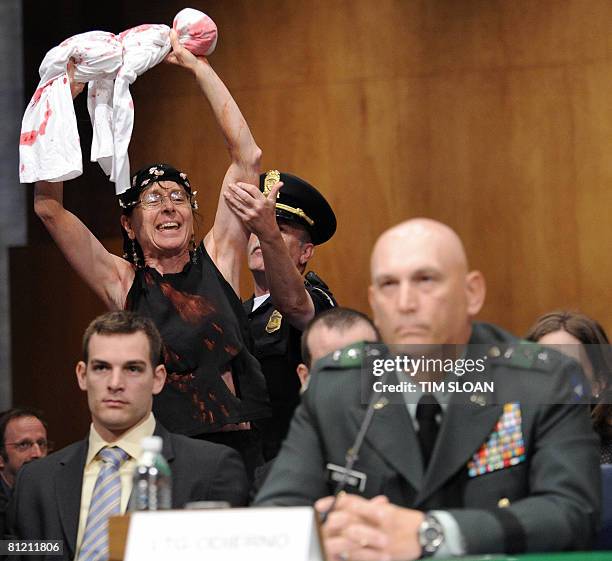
{"x": 271, "y": 179}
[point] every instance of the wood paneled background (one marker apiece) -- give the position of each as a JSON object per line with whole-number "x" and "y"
{"x": 493, "y": 116}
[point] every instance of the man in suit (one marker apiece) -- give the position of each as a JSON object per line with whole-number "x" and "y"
{"x": 56, "y": 498}
{"x": 23, "y": 438}
{"x": 510, "y": 469}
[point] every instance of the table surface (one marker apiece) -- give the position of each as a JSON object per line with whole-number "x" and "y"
{"x": 571, "y": 556}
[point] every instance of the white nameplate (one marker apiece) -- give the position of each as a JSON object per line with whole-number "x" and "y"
{"x": 234, "y": 534}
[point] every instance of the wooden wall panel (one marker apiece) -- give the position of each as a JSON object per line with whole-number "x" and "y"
{"x": 491, "y": 115}
{"x": 50, "y": 310}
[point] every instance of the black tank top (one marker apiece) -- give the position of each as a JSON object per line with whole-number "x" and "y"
{"x": 205, "y": 334}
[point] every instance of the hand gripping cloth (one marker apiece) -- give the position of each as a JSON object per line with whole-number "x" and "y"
{"x": 49, "y": 146}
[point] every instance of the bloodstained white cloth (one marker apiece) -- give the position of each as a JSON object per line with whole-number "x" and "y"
{"x": 49, "y": 146}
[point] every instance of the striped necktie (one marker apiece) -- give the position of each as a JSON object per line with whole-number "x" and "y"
{"x": 105, "y": 502}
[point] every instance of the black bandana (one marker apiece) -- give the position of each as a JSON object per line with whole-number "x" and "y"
{"x": 148, "y": 175}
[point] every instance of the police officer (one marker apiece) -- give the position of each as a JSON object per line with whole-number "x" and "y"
{"x": 287, "y": 217}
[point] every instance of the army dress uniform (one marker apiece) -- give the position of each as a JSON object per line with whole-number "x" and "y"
{"x": 542, "y": 493}
{"x": 276, "y": 343}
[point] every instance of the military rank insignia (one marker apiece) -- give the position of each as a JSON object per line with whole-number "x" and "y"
{"x": 274, "y": 322}
{"x": 505, "y": 446}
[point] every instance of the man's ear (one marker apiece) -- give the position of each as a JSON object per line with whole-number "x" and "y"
{"x": 2, "y": 464}
{"x": 302, "y": 372}
{"x": 159, "y": 379}
{"x": 307, "y": 253}
{"x": 81, "y": 374}
{"x": 476, "y": 290}
{"x": 127, "y": 226}
{"x": 371, "y": 302}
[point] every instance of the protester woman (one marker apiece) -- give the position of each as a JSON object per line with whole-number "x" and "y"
{"x": 214, "y": 386}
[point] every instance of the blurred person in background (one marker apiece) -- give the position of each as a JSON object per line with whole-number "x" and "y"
{"x": 584, "y": 339}
{"x": 332, "y": 330}
{"x": 23, "y": 438}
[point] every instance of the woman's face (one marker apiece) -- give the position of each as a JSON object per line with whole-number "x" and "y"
{"x": 165, "y": 228}
{"x": 569, "y": 345}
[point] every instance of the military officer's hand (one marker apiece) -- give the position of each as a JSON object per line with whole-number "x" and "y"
{"x": 359, "y": 529}
{"x": 257, "y": 212}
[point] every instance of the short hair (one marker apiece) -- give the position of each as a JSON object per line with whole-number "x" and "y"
{"x": 338, "y": 318}
{"x": 16, "y": 413}
{"x": 123, "y": 322}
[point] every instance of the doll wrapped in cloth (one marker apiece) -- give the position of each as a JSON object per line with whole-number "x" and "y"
{"x": 49, "y": 146}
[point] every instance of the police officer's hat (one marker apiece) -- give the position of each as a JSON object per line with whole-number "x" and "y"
{"x": 300, "y": 202}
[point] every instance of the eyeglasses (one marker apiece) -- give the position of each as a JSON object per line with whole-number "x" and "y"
{"x": 153, "y": 199}
{"x": 25, "y": 445}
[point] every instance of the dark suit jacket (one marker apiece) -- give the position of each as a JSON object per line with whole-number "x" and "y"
{"x": 554, "y": 493}
{"x": 47, "y": 496}
{"x": 5, "y": 494}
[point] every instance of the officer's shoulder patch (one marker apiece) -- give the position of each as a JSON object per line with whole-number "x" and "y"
{"x": 523, "y": 355}
{"x": 346, "y": 358}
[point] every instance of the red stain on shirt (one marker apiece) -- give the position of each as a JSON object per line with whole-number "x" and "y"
{"x": 191, "y": 307}
{"x": 28, "y": 138}
{"x": 39, "y": 91}
{"x": 43, "y": 127}
{"x": 137, "y": 29}
{"x": 230, "y": 350}
{"x": 170, "y": 355}
{"x": 199, "y": 27}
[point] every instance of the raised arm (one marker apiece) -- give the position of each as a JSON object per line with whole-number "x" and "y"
{"x": 284, "y": 281}
{"x": 109, "y": 276}
{"x": 227, "y": 239}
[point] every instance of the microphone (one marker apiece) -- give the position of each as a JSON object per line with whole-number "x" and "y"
{"x": 377, "y": 402}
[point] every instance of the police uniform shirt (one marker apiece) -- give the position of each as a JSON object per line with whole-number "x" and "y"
{"x": 277, "y": 347}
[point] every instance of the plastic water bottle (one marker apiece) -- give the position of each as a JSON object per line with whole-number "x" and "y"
{"x": 152, "y": 489}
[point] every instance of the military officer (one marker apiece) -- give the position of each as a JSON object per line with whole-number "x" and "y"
{"x": 287, "y": 218}
{"x": 511, "y": 470}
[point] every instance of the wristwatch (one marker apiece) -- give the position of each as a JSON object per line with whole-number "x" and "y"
{"x": 431, "y": 536}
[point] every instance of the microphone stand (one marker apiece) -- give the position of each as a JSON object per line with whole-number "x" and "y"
{"x": 377, "y": 401}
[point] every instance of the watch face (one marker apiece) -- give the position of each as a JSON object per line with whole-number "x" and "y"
{"x": 431, "y": 536}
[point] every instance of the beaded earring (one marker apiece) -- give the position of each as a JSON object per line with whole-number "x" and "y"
{"x": 135, "y": 258}
{"x": 192, "y": 250}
